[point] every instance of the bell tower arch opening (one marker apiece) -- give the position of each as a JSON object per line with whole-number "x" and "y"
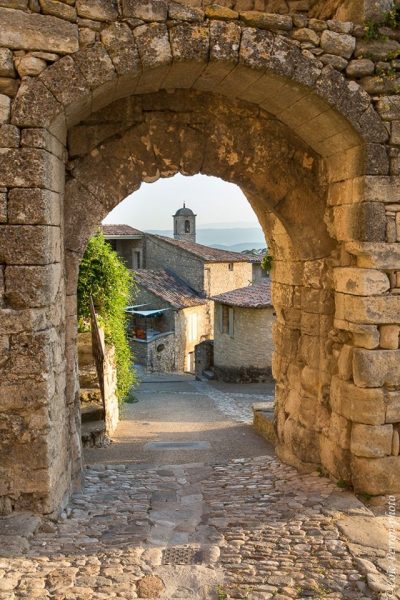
{"x": 185, "y": 224}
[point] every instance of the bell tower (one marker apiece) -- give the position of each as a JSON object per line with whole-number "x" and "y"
{"x": 185, "y": 224}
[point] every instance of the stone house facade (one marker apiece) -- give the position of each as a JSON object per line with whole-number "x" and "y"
{"x": 127, "y": 242}
{"x": 243, "y": 342}
{"x": 301, "y": 108}
{"x": 183, "y": 320}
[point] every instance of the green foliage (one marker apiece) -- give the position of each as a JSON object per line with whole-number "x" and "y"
{"x": 104, "y": 276}
{"x": 266, "y": 263}
{"x": 390, "y": 19}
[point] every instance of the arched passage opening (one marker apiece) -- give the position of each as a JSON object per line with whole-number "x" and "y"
{"x": 244, "y": 105}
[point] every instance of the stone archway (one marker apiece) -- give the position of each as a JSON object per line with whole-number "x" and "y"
{"x": 307, "y": 148}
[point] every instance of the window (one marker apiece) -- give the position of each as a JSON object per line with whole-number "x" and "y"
{"x": 227, "y": 320}
{"x": 137, "y": 259}
{"x": 187, "y": 226}
{"x": 230, "y": 266}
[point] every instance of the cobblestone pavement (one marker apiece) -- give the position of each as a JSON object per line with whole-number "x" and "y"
{"x": 245, "y": 528}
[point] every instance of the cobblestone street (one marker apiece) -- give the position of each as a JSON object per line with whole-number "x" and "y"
{"x": 236, "y": 527}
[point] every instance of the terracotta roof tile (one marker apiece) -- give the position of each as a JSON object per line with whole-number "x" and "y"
{"x": 206, "y": 253}
{"x": 118, "y": 230}
{"x": 257, "y": 295}
{"x": 168, "y": 287}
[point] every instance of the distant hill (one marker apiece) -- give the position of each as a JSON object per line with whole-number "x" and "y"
{"x": 236, "y": 239}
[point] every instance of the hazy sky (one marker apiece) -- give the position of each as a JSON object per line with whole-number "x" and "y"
{"x": 213, "y": 200}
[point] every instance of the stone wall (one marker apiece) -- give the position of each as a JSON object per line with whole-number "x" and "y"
{"x": 184, "y": 343}
{"x": 251, "y": 344}
{"x": 223, "y": 277}
{"x": 320, "y": 167}
{"x": 182, "y": 264}
{"x": 156, "y": 355}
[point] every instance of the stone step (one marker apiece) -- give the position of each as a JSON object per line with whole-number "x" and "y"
{"x": 209, "y": 374}
{"x": 92, "y": 412}
{"x": 93, "y": 434}
{"x": 90, "y": 396}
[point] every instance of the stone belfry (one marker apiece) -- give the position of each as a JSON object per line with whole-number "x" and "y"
{"x": 185, "y": 224}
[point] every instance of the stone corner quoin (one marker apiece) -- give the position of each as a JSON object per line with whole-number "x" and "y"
{"x": 83, "y": 94}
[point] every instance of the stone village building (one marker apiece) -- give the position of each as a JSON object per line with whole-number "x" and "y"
{"x": 292, "y": 100}
{"x": 243, "y": 326}
{"x": 173, "y": 311}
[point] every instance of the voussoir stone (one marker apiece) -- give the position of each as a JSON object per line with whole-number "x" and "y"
{"x": 25, "y": 31}
{"x": 120, "y": 44}
{"x": 189, "y": 42}
{"x": 153, "y": 44}
{"x": 65, "y": 81}
{"x": 95, "y": 64}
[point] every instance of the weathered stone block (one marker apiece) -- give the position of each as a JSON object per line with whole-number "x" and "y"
{"x": 389, "y": 336}
{"x": 9, "y": 136}
{"x": 340, "y": 430}
{"x": 147, "y": 10}
{"x": 6, "y": 63}
{"x": 360, "y": 282}
{"x": 189, "y": 42}
{"x": 389, "y": 107}
{"x": 345, "y": 362}
{"x": 376, "y": 476}
{"x": 360, "y": 405}
{"x": 153, "y": 44}
{"x": 65, "y": 81}
{"x": 305, "y": 34}
{"x": 360, "y": 68}
{"x": 366, "y": 221}
{"x": 42, "y": 138}
{"x": 338, "y": 44}
{"x": 29, "y": 244}
{"x": 120, "y": 44}
{"x": 375, "y": 256}
{"x": 32, "y": 287}
{"x": 33, "y": 207}
{"x": 376, "y": 368}
{"x": 26, "y": 31}
{"x": 3, "y": 219}
{"x": 30, "y": 65}
{"x": 267, "y": 21}
{"x": 58, "y": 9}
{"x": 185, "y": 13}
{"x": 5, "y": 108}
{"x": 392, "y": 407}
{"x": 9, "y": 86}
{"x": 371, "y": 441}
{"x": 30, "y": 167}
{"x": 35, "y": 105}
{"x": 224, "y": 41}
{"x": 216, "y": 11}
{"x": 97, "y": 10}
{"x": 96, "y": 65}
{"x": 368, "y": 309}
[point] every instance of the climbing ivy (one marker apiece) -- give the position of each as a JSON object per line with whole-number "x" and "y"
{"x": 391, "y": 19}
{"x": 266, "y": 263}
{"x": 105, "y": 277}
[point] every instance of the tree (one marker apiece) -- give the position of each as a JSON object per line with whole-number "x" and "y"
{"x": 105, "y": 277}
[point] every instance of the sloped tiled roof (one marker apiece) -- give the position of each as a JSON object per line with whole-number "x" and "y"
{"x": 169, "y": 288}
{"x": 120, "y": 230}
{"x": 257, "y": 295}
{"x": 206, "y": 253}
